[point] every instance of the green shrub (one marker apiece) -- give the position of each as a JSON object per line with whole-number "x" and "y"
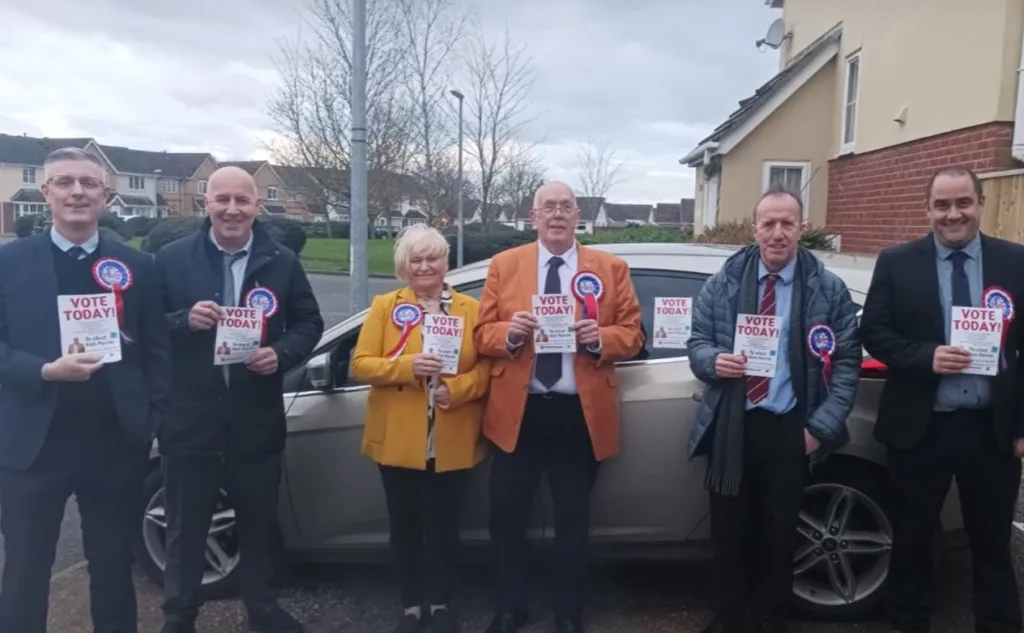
{"x": 110, "y": 234}
{"x": 139, "y": 226}
{"x": 647, "y": 234}
{"x": 26, "y": 225}
{"x": 287, "y": 232}
{"x": 742, "y": 233}
{"x": 480, "y": 242}
{"x": 167, "y": 230}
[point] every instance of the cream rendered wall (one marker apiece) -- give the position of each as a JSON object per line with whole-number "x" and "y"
{"x": 799, "y": 131}
{"x": 951, "y": 63}
{"x": 698, "y": 200}
{"x": 10, "y": 180}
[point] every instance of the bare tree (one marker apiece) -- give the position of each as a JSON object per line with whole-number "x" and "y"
{"x": 599, "y": 171}
{"x": 312, "y": 108}
{"x": 520, "y": 179}
{"x": 432, "y": 30}
{"x": 499, "y": 77}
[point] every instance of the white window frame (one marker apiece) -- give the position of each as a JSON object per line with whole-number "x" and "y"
{"x": 853, "y": 58}
{"x": 139, "y": 180}
{"x": 202, "y": 187}
{"x": 28, "y": 175}
{"x": 22, "y": 209}
{"x": 271, "y": 193}
{"x": 805, "y": 175}
{"x": 168, "y": 186}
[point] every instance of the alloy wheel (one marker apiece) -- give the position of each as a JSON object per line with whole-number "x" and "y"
{"x": 845, "y": 542}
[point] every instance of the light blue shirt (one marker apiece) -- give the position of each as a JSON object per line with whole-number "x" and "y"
{"x": 64, "y": 244}
{"x": 781, "y": 398}
{"x": 960, "y": 391}
{"x": 237, "y": 267}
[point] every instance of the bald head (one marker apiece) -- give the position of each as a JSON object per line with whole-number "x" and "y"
{"x": 232, "y": 202}
{"x": 553, "y": 189}
{"x": 231, "y": 175}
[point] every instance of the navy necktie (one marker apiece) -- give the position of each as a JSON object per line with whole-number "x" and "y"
{"x": 961, "y": 288}
{"x": 76, "y": 252}
{"x": 549, "y": 366}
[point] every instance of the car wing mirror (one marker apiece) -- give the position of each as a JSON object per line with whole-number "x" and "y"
{"x": 319, "y": 371}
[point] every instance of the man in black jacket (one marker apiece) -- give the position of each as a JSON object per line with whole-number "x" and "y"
{"x": 939, "y": 421}
{"x": 71, "y": 423}
{"x": 226, "y": 426}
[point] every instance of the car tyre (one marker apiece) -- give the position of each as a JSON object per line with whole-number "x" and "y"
{"x": 225, "y": 587}
{"x": 864, "y": 486}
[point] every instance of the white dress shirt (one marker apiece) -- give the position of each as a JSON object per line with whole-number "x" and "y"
{"x": 567, "y": 383}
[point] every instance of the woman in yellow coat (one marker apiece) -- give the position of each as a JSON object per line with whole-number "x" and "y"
{"x": 422, "y": 424}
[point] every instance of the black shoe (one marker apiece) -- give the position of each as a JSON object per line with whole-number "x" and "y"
{"x": 411, "y": 624}
{"x": 568, "y": 625}
{"x": 508, "y": 621}
{"x": 723, "y": 625}
{"x": 442, "y": 621}
{"x": 275, "y": 620}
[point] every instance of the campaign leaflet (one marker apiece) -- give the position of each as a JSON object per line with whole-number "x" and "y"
{"x": 757, "y": 340}
{"x": 980, "y": 332}
{"x": 556, "y": 316}
{"x": 673, "y": 320}
{"x": 88, "y": 325}
{"x": 238, "y": 335}
{"x": 442, "y": 337}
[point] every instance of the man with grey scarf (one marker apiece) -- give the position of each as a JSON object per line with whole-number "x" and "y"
{"x": 761, "y": 433}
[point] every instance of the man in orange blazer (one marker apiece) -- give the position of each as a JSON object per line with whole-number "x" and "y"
{"x": 557, "y": 412}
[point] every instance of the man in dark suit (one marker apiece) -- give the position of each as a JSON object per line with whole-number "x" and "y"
{"x": 939, "y": 422}
{"x": 226, "y": 426}
{"x": 70, "y": 424}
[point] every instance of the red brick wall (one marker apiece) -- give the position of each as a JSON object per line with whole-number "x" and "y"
{"x": 7, "y": 215}
{"x": 877, "y": 199}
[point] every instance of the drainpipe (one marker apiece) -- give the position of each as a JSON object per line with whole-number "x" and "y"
{"x": 1018, "y": 127}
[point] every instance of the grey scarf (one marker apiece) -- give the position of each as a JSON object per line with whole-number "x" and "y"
{"x": 725, "y": 465}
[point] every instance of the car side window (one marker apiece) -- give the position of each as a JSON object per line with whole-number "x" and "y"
{"x": 662, "y": 283}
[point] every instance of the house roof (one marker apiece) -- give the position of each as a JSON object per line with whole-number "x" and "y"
{"x": 28, "y": 195}
{"x": 274, "y": 209}
{"x": 130, "y": 201}
{"x": 589, "y": 206}
{"x": 251, "y": 166}
{"x": 625, "y": 212}
{"x": 775, "y": 86}
{"x": 137, "y": 161}
{"x": 30, "y": 151}
{"x": 674, "y": 212}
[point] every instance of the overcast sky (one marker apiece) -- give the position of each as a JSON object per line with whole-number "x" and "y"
{"x": 651, "y": 76}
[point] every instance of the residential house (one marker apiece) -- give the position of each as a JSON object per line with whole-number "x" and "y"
{"x": 674, "y": 215}
{"x": 155, "y": 184}
{"x": 861, "y": 113}
{"x": 21, "y": 175}
{"x": 278, "y": 197}
{"x": 619, "y": 215}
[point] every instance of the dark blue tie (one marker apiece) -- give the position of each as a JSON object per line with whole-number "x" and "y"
{"x": 549, "y": 366}
{"x": 76, "y": 252}
{"x": 961, "y": 288}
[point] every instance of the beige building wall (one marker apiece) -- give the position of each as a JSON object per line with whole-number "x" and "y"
{"x": 796, "y": 132}
{"x": 10, "y": 180}
{"x": 698, "y": 200}
{"x": 951, "y": 64}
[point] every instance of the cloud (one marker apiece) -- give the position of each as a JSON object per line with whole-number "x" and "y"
{"x": 651, "y": 76}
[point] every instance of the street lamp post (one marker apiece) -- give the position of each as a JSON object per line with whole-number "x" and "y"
{"x": 458, "y": 186}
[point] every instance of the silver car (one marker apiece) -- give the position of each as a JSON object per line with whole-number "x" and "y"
{"x": 649, "y": 502}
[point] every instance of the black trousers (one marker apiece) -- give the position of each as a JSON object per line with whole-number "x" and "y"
{"x": 105, "y": 474}
{"x": 553, "y": 438}
{"x": 959, "y": 444}
{"x": 754, "y": 533}
{"x": 424, "y": 507}
{"x": 191, "y": 488}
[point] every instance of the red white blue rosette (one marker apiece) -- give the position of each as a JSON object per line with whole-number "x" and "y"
{"x": 113, "y": 275}
{"x": 405, "y": 316}
{"x": 587, "y": 287}
{"x": 264, "y": 300}
{"x": 1000, "y": 299}
{"x": 821, "y": 342}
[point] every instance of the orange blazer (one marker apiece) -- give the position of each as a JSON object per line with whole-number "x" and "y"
{"x": 511, "y": 283}
{"x": 395, "y": 433}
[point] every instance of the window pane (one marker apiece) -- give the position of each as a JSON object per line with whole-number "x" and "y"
{"x": 794, "y": 178}
{"x": 658, "y": 283}
{"x": 852, "y": 80}
{"x": 851, "y": 122}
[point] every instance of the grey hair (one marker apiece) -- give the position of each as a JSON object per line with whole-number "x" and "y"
{"x": 70, "y": 154}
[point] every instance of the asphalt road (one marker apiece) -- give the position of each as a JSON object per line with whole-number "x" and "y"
{"x": 332, "y": 292}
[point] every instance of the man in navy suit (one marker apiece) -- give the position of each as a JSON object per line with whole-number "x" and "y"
{"x": 72, "y": 423}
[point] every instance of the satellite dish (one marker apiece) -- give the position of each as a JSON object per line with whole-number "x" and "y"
{"x": 776, "y": 35}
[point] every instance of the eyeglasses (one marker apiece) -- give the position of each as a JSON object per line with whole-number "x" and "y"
{"x": 564, "y": 208}
{"x": 88, "y": 183}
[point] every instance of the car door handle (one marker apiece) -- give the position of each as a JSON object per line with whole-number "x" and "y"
{"x": 698, "y": 397}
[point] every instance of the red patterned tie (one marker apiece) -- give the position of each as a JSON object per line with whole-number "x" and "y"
{"x": 757, "y": 386}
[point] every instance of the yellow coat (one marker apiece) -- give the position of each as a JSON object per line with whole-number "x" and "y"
{"x": 395, "y": 433}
